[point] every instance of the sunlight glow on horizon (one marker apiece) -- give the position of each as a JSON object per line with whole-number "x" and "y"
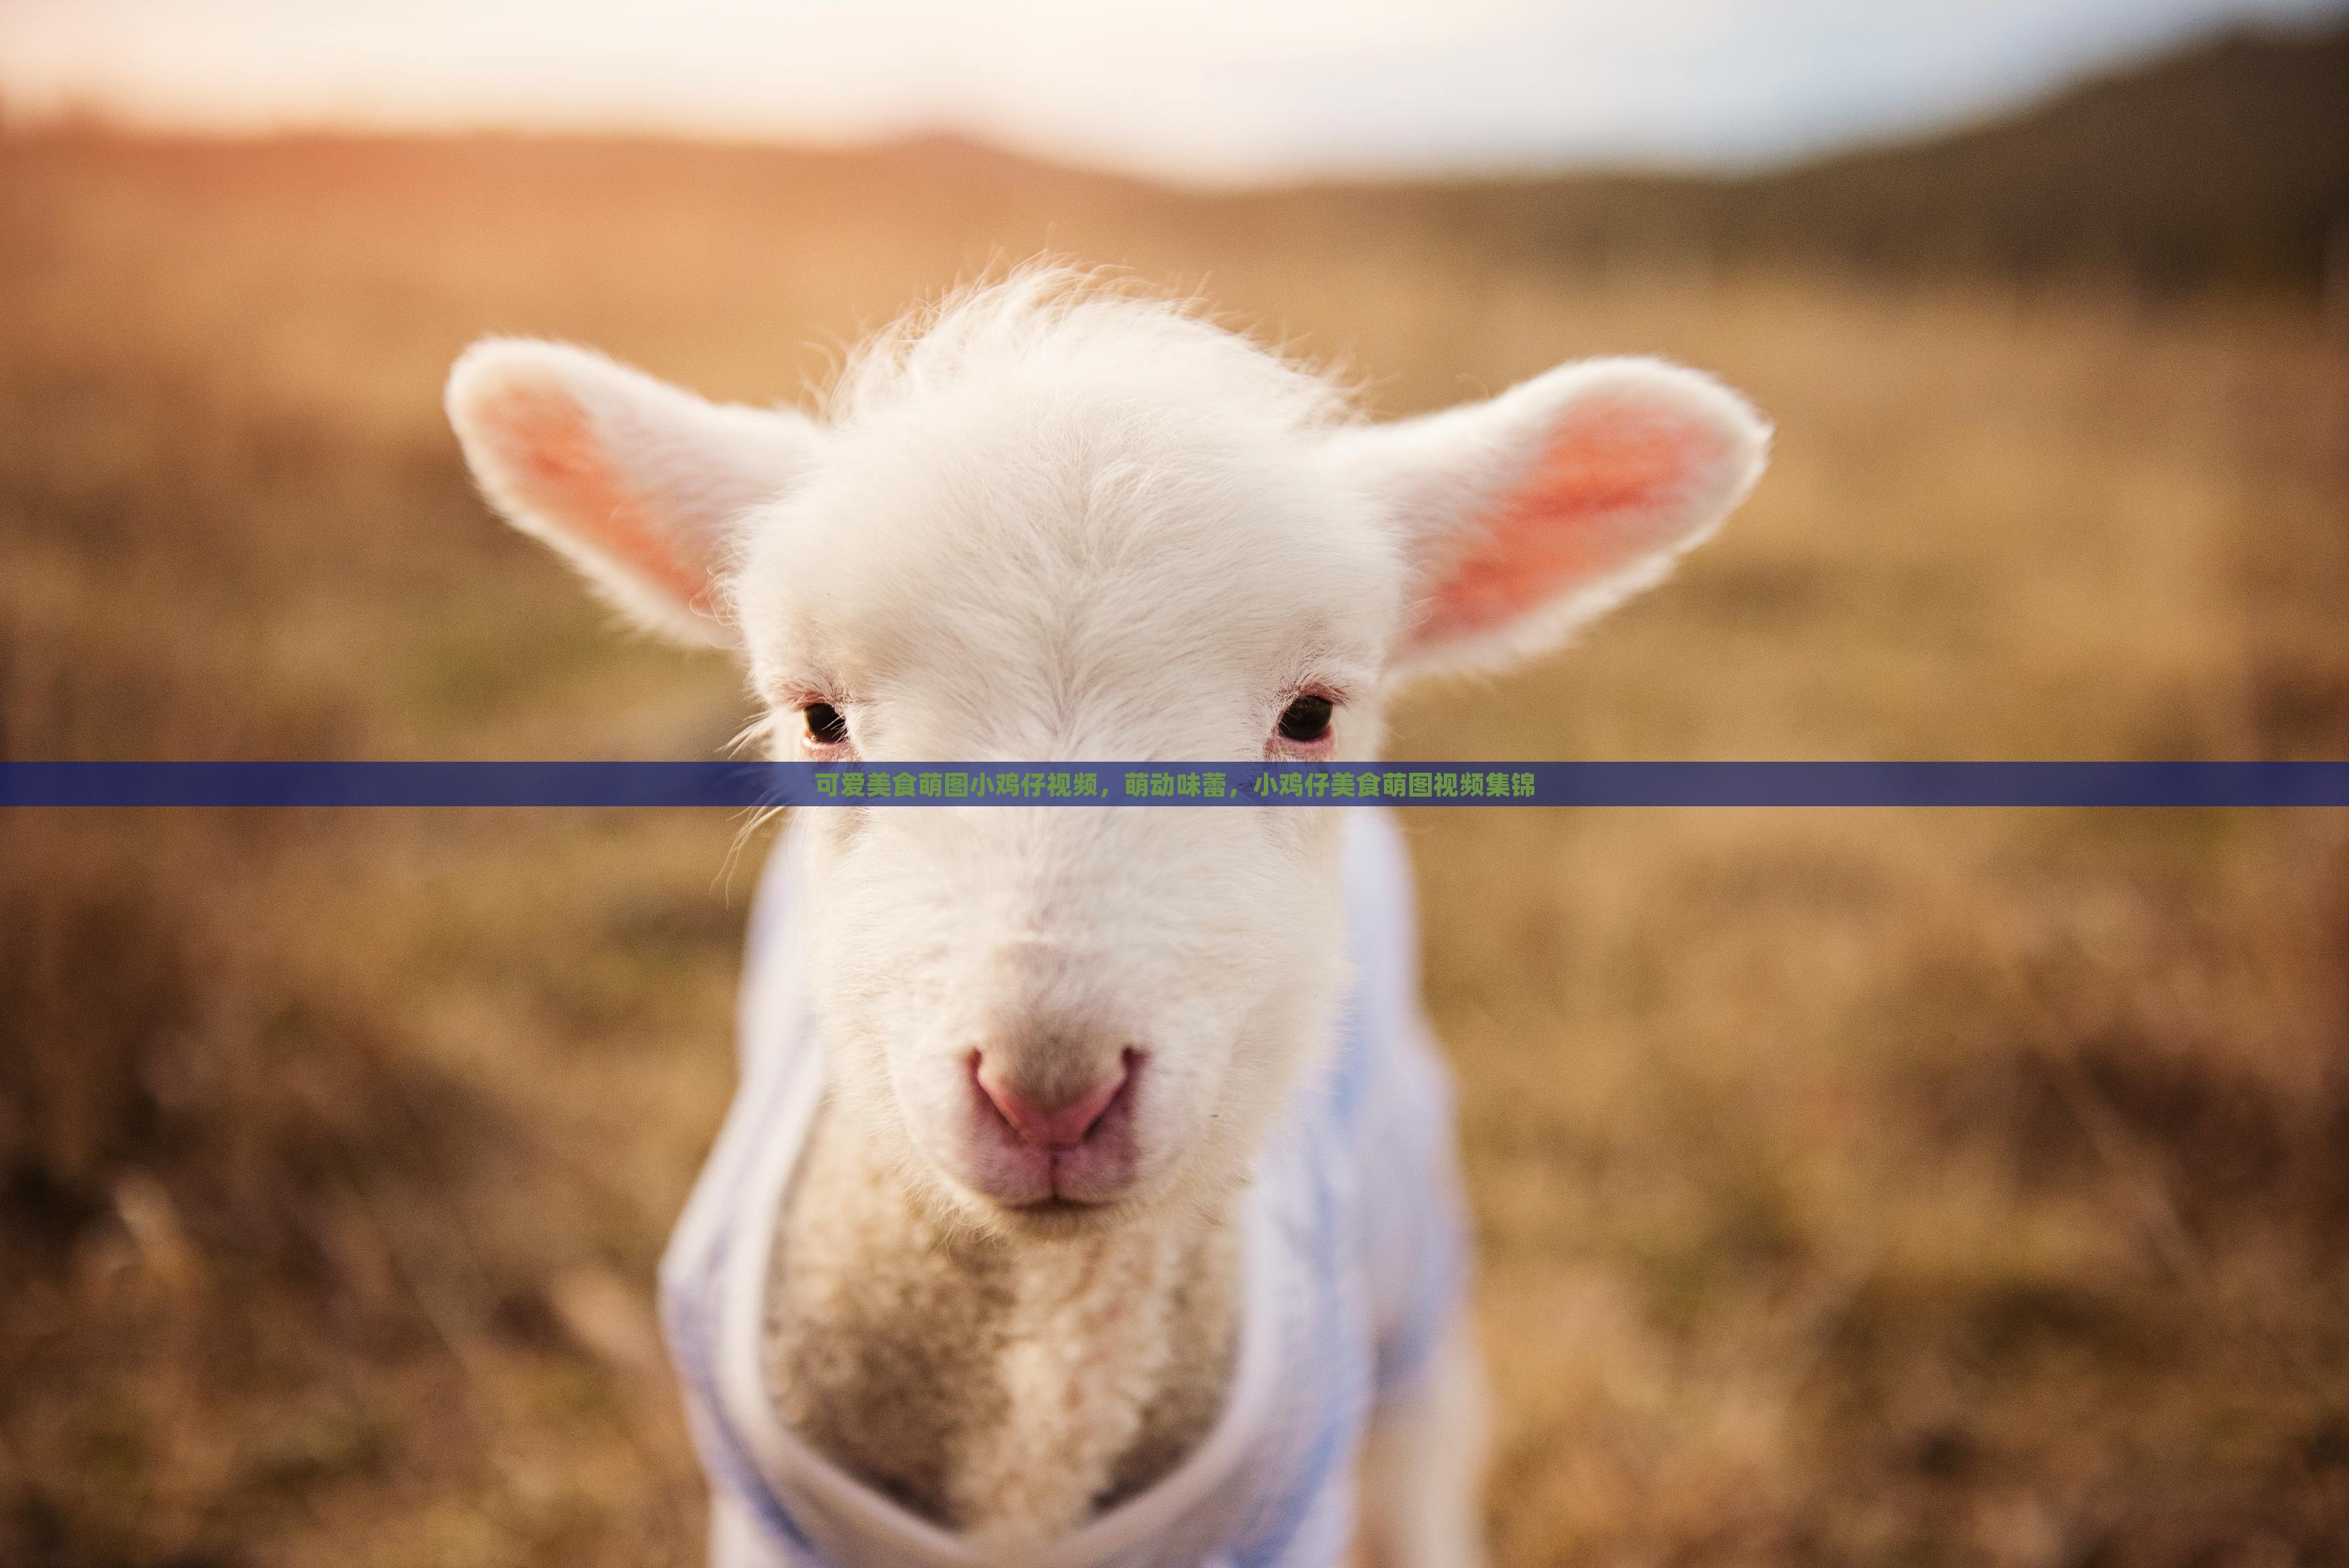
{"x": 1213, "y": 90}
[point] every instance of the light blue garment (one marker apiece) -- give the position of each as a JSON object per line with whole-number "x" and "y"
{"x": 1354, "y": 1265}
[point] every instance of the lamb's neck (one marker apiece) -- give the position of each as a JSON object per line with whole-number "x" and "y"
{"x": 1006, "y": 1388}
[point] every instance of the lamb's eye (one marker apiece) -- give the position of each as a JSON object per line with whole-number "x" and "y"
{"x": 1306, "y": 720}
{"x": 826, "y": 725}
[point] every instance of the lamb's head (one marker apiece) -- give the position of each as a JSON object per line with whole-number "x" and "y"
{"x": 1052, "y": 524}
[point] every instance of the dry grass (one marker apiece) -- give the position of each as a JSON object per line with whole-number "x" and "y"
{"x": 1962, "y": 1188}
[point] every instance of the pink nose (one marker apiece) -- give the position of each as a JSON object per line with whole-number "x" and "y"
{"x": 1051, "y": 1128}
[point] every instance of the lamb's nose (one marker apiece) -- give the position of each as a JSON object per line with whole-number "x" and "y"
{"x": 1047, "y": 1126}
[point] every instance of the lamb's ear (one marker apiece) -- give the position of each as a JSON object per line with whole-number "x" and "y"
{"x": 635, "y": 482}
{"x": 1536, "y": 511}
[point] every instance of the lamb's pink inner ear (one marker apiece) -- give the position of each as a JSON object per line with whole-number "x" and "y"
{"x": 1614, "y": 482}
{"x": 560, "y": 471}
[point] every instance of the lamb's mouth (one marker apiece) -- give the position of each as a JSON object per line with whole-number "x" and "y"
{"x": 1058, "y": 1218}
{"x": 1057, "y": 1206}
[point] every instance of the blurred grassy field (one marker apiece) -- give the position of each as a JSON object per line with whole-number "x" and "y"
{"x": 1853, "y": 1188}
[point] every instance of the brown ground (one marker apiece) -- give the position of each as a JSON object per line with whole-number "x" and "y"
{"x": 1855, "y": 1188}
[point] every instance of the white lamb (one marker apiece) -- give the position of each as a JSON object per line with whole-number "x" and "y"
{"x": 1115, "y": 1220}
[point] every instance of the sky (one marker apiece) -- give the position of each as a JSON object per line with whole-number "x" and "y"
{"x": 1199, "y": 91}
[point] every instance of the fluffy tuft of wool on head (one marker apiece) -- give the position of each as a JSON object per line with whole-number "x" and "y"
{"x": 1067, "y": 327}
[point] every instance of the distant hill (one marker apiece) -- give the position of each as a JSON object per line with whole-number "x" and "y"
{"x": 2227, "y": 162}
{"x": 2231, "y": 158}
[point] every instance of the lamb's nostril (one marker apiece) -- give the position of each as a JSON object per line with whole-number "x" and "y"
{"x": 1050, "y": 1127}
